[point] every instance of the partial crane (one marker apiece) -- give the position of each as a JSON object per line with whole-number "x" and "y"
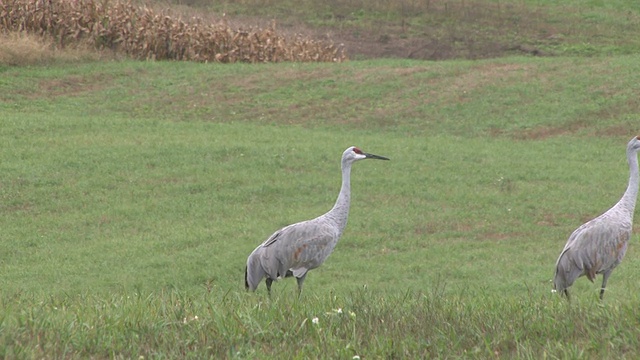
{"x": 599, "y": 245}
{"x": 298, "y": 248}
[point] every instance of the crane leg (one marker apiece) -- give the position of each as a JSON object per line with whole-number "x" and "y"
{"x": 300, "y": 281}
{"x": 605, "y": 277}
{"x": 268, "y": 282}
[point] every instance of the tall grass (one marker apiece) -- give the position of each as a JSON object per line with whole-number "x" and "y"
{"x": 21, "y": 49}
{"x": 360, "y": 323}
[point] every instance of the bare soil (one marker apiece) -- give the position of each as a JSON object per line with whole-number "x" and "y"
{"x": 389, "y": 41}
{"x": 371, "y": 45}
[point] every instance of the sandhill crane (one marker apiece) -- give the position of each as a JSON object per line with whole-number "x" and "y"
{"x": 599, "y": 245}
{"x": 298, "y": 248}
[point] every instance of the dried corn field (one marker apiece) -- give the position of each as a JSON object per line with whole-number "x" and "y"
{"x": 142, "y": 33}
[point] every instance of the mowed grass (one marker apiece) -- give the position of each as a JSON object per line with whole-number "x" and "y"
{"x": 132, "y": 193}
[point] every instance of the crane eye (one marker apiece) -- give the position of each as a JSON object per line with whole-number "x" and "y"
{"x": 357, "y": 151}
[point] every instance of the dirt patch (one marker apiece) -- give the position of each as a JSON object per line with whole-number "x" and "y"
{"x": 459, "y": 86}
{"x": 396, "y": 44}
{"x": 552, "y": 131}
{"x": 485, "y": 74}
{"x": 472, "y": 29}
{"x": 497, "y": 236}
{"x": 618, "y": 130}
{"x": 68, "y": 86}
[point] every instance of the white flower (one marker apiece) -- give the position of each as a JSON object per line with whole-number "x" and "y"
{"x": 337, "y": 311}
{"x": 356, "y": 357}
{"x": 315, "y": 320}
{"x": 190, "y": 318}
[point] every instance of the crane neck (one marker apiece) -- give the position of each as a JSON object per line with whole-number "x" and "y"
{"x": 628, "y": 201}
{"x": 340, "y": 211}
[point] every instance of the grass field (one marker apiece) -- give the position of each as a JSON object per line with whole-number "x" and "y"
{"x": 131, "y": 194}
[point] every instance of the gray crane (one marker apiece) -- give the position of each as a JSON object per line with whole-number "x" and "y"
{"x": 298, "y": 248}
{"x": 599, "y": 245}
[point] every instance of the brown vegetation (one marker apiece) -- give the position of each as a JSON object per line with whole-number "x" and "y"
{"x": 142, "y": 33}
{"x": 26, "y": 49}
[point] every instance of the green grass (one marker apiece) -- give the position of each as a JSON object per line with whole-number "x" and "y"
{"x": 131, "y": 194}
{"x": 198, "y": 324}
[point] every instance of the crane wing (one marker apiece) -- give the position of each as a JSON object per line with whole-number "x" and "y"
{"x": 273, "y": 238}
{"x": 298, "y": 248}
{"x": 280, "y": 233}
{"x": 313, "y": 251}
{"x": 595, "y": 246}
{"x": 306, "y": 244}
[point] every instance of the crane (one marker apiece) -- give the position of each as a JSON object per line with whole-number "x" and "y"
{"x": 300, "y": 247}
{"x": 599, "y": 245}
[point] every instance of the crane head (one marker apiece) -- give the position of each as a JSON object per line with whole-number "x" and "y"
{"x": 353, "y": 154}
{"x": 634, "y": 144}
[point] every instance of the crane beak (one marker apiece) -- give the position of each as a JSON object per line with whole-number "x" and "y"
{"x": 372, "y": 156}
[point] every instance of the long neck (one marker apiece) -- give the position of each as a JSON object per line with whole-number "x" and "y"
{"x": 340, "y": 211}
{"x": 628, "y": 201}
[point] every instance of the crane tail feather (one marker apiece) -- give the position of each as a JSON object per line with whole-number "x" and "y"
{"x": 246, "y": 277}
